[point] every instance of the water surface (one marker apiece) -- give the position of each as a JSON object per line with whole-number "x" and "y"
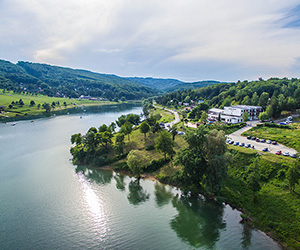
{"x": 47, "y": 203}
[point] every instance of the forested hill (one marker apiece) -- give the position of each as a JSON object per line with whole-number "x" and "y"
{"x": 274, "y": 95}
{"x": 60, "y": 81}
{"x": 170, "y": 85}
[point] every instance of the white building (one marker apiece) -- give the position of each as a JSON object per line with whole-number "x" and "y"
{"x": 238, "y": 110}
{"x": 234, "y": 114}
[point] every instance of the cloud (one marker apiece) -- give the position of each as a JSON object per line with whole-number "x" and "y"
{"x": 147, "y": 37}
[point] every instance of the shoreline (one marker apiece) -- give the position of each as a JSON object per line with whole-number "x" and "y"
{"x": 249, "y": 219}
{"x": 60, "y": 112}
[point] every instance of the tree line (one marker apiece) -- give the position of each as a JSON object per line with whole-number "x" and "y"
{"x": 274, "y": 95}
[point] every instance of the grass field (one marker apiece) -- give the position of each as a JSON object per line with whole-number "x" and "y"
{"x": 287, "y": 137}
{"x": 273, "y": 209}
{"x": 17, "y": 110}
{"x": 166, "y": 116}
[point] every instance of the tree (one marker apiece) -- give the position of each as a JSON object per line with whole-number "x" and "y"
{"x": 103, "y": 128}
{"x": 203, "y": 118}
{"x": 136, "y": 161}
{"x": 263, "y": 116}
{"x": 193, "y": 160}
{"x": 76, "y": 138}
{"x": 144, "y": 128}
{"x": 146, "y": 112}
{"x": 293, "y": 176}
{"x": 165, "y": 144}
{"x": 245, "y": 116}
{"x": 254, "y": 99}
{"x": 32, "y": 103}
{"x": 155, "y": 127}
{"x": 112, "y": 127}
{"x": 119, "y": 144}
{"x": 217, "y": 160}
{"x": 174, "y": 131}
{"x": 21, "y": 102}
{"x": 47, "y": 107}
{"x": 253, "y": 182}
{"x": 263, "y": 100}
{"x": 126, "y": 129}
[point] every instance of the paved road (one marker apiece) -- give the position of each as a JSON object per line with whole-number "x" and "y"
{"x": 236, "y": 136}
{"x": 177, "y": 119}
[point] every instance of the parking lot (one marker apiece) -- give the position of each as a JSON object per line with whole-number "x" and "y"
{"x": 237, "y": 137}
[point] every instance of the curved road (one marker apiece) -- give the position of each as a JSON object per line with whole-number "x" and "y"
{"x": 237, "y": 136}
{"x": 177, "y": 119}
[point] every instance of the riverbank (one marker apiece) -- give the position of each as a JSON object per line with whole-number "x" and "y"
{"x": 270, "y": 206}
{"x": 31, "y": 107}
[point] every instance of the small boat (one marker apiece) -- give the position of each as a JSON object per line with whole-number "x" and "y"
{"x": 32, "y": 121}
{"x": 13, "y": 124}
{"x": 80, "y": 117}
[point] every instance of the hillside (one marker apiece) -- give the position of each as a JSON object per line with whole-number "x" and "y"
{"x": 274, "y": 95}
{"x": 67, "y": 82}
{"x": 170, "y": 85}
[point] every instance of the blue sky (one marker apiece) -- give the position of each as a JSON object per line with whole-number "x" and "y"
{"x": 184, "y": 39}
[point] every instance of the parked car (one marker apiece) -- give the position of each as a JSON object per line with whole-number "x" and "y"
{"x": 293, "y": 155}
{"x": 262, "y": 140}
{"x": 269, "y": 142}
{"x": 265, "y": 149}
{"x": 248, "y": 145}
{"x": 286, "y": 154}
{"x": 182, "y": 133}
{"x": 228, "y": 140}
{"x": 248, "y": 137}
{"x": 231, "y": 142}
{"x": 283, "y": 123}
{"x": 257, "y": 139}
{"x": 242, "y": 144}
{"x": 278, "y": 152}
{"x": 236, "y": 143}
{"x": 253, "y": 138}
{"x": 274, "y": 142}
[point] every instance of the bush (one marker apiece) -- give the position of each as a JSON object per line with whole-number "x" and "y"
{"x": 121, "y": 166}
{"x": 155, "y": 165}
{"x": 150, "y": 147}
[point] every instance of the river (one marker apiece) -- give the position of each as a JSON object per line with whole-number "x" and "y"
{"x": 47, "y": 203}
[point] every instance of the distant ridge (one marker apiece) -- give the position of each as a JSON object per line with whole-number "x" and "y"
{"x": 67, "y": 82}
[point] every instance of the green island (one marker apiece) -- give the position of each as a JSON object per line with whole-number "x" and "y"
{"x": 262, "y": 185}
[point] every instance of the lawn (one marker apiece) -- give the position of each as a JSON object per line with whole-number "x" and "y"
{"x": 17, "y": 110}
{"x": 166, "y": 116}
{"x": 285, "y": 136}
{"x": 273, "y": 209}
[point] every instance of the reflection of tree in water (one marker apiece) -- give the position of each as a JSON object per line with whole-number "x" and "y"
{"x": 99, "y": 176}
{"x": 137, "y": 194}
{"x": 198, "y": 222}
{"x": 247, "y": 234}
{"x": 120, "y": 184}
{"x": 162, "y": 195}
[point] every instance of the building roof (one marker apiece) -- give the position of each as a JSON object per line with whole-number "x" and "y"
{"x": 246, "y": 107}
{"x": 216, "y": 110}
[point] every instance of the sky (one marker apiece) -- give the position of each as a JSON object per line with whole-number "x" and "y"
{"x": 189, "y": 40}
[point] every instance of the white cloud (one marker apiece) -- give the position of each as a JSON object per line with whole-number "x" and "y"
{"x": 153, "y": 34}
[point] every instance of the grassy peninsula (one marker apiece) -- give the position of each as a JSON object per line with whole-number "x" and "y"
{"x": 259, "y": 184}
{"x": 22, "y": 105}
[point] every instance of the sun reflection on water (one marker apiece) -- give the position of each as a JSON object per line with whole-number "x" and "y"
{"x": 95, "y": 207}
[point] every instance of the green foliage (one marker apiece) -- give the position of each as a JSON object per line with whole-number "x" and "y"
{"x": 136, "y": 161}
{"x": 144, "y": 128}
{"x": 59, "y": 81}
{"x": 284, "y": 93}
{"x": 126, "y": 129}
{"x": 165, "y": 144}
